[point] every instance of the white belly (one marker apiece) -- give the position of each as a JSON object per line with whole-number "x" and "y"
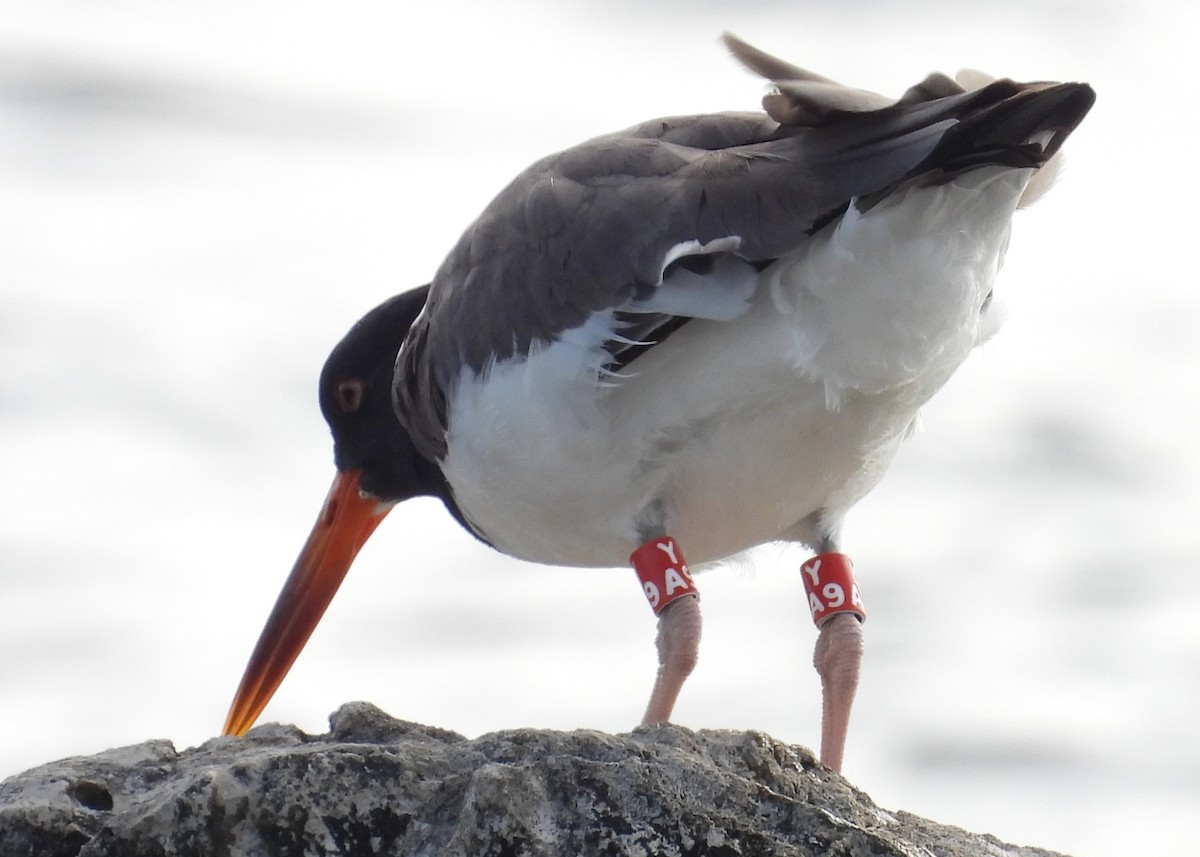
{"x": 731, "y": 434}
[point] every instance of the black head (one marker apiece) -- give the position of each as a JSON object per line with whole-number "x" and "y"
{"x": 356, "y": 400}
{"x": 378, "y": 466}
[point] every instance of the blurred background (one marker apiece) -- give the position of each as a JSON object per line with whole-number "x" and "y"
{"x": 197, "y": 200}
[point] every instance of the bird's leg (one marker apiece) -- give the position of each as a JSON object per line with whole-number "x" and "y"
{"x": 672, "y": 594}
{"x": 837, "y": 609}
{"x": 678, "y": 643}
{"x": 837, "y": 657}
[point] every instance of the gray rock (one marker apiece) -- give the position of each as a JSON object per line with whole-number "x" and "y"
{"x": 379, "y": 786}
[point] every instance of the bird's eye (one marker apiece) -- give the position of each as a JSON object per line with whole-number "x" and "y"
{"x": 349, "y": 394}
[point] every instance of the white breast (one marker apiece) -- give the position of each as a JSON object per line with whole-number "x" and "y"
{"x": 734, "y": 432}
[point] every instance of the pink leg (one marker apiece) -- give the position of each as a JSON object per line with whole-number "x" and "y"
{"x": 678, "y": 643}
{"x": 837, "y": 658}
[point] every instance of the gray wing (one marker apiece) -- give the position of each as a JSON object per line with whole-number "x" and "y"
{"x": 591, "y": 228}
{"x": 595, "y": 227}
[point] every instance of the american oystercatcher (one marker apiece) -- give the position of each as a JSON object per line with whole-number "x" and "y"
{"x": 696, "y": 335}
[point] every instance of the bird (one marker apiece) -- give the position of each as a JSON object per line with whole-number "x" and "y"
{"x": 670, "y": 344}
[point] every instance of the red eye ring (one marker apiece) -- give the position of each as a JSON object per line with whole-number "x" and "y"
{"x": 348, "y": 393}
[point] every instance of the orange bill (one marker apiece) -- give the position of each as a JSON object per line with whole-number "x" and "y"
{"x": 346, "y": 522}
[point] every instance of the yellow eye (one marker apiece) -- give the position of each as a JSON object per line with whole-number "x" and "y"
{"x": 349, "y": 394}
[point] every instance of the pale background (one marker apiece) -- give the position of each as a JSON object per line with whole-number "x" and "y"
{"x": 198, "y": 199}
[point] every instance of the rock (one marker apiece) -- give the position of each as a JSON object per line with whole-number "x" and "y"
{"x": 379, "y": 786}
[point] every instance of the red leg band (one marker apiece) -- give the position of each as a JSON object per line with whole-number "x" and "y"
{"x": 664, "y": 574}
{"x": 829, "y": 582}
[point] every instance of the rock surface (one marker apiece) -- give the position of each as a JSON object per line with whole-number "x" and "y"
{"x": 379, "y": 786}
